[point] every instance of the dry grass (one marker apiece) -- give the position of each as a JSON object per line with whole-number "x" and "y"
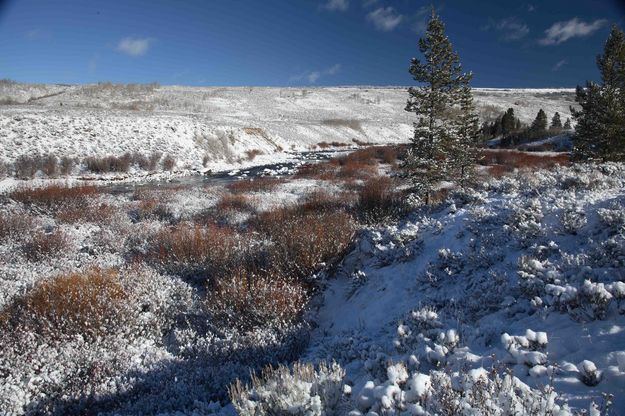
{"x": 247, "y": 300}
{"x": 42, "y": 245}
{"x": 89, "y": 304}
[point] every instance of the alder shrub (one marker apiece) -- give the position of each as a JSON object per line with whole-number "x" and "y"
{"x": 15, "y": 226}
{"x": 302, "y": 242}
{"x": 108, "y": 164}
{"x": 261, "y": 184}
{"x": 41, "y": 245}
{"x": 196, "y": 252}
{"x": 87, "y": 304}
{"x": 53, "y": 195}
{"x": 379, "y": 200}
{"x": 247, "y": 300}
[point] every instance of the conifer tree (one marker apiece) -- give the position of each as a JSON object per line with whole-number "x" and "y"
{"x": 441, "y": 78}
{"x": 508, "y": 122}
{"x": 556, "y": 123}
{"x": 463, "y": 151}
{"x": 600, "y": 129}
{"x": 567, "y": 124}
{"x": 539, "y": 125}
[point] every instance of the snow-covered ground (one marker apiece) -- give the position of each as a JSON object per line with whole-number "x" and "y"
{"x": 221, "y": 124}
{"x": 510, "y": 295}
{"x": 527, "y": 273}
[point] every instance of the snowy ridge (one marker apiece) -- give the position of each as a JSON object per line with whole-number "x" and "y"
{"x": 192, "y": 123}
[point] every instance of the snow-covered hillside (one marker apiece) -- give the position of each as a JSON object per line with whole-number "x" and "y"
{"x": 220, "y": 124}
{"x": 524, "y": 275}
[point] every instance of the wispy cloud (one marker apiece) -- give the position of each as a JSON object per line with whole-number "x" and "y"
{"x": 336, "y": 5}
{"x": 421, "y": 19}
{"x": 134, "y": 46}
{"x": 313, "y": 76}
{"x": 33, "y": 34}
{"x": 558, "y": 65}
{"x": 369, "y": 3}
{"x": 531, "y": 8}
{"x": 510, "y": 28}
{"x": 562, "y": 31}
{"x": 385, "y": 18}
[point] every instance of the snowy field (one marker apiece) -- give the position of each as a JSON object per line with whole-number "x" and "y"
{"x": 505, "y": 299}
{"x": 219, "y": 125}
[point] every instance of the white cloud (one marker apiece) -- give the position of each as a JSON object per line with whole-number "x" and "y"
{"x": 134, "y": 46}
{"x": 510, "y": 28}
{"x": 313, "y": 76}
{"x": 562, "y": 31}
{"x": 531, "y": 8}
{"x": 337, "y": 5}
{"x": 558, "y": 65}
{"x": 385, "y": 18}
{"x": 369, "y": 3}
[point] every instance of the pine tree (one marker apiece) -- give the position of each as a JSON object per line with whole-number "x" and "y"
{"x": 441, "y": 76}
{"x": 556, "y": 123}
{"x": 508, "y": 122}
{"x": 567, "y": 124}
{"x": 463, "y": 152}
{"x": 600, "y": 130}
{"x": 539, "y": 125}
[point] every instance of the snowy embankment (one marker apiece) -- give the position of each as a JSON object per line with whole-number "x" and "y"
{"x": 220, "y": 126}
{"x": 524, "y": 277}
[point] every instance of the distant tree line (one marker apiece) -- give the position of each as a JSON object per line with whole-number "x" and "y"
{"x": 512, "y": 132}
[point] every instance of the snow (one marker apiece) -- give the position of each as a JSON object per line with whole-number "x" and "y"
{"x": 222, "y": 124}
{"x": 451, "y": 290}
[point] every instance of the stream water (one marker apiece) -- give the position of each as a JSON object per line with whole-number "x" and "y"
{"x": 224, "y": 177}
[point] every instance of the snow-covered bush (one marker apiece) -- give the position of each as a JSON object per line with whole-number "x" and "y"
{"x": 573, "y": 220}
{"x": 476, "y": 391}
{"x": 300, "y": 391}
{"x": 448, "y": 264}
{"x": 588, "y": 373}
{"x": 613, "y": 218}
{"x": 525, "y": 221}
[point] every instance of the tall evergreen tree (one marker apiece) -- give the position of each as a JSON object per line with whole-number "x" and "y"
{"x": 508, "y": 122}
{"x": 556, "y": 123}
{"x": 567, "y": 124}
{"x": 441, "y": 79}
{"x": 463, "y": 151}
{"x": 600, "y": 130}
{"x": 539, "y": 125}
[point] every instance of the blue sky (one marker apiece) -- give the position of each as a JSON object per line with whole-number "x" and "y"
{"x": 550, "y": 43}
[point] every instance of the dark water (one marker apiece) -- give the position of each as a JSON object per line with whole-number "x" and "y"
{"x": 275, "y": 170}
